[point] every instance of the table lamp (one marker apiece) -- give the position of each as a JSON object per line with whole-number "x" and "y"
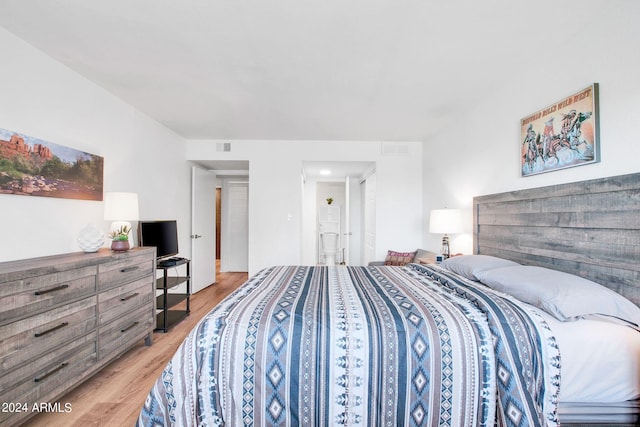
{"x": 444, "y": 221}
{"x": 120, "y": 208}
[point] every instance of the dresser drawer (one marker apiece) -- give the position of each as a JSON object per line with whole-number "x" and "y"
{"x": 46, "y": 378}
{"x": 125, "y": 270}
{"x": 29, "y": 338}
{"x": 117, "y": 302}
{"x": 118, "y": 335}
{"x": 20, "y": 298}
{"x": 65, "y": 368}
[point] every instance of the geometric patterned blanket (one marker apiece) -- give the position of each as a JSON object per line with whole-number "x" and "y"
{"x": 360, "y": 346}
{"x": 526, "y": 352}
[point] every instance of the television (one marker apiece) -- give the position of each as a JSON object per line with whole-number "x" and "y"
{"x": 161, "y": 234}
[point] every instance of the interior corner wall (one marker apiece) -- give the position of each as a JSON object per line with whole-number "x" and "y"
{"x": 480, "y": 153}
{"x": 43, "y": 98}
{"x": 276, "y": 196}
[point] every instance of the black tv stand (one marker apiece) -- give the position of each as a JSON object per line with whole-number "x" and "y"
{"x": 166, "y": 302}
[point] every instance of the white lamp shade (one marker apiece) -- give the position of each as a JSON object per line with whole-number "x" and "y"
{"x": 443, "y": 221}
{"x": 120, "y": 206}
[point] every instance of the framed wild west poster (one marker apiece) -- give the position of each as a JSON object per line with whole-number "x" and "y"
{"x": 561, "y": 135}
{"x": 34, "y": 167}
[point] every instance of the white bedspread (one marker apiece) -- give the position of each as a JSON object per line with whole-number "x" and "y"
{"x": 600, "y": 360}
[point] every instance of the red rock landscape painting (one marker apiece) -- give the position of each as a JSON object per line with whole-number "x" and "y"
{"x": 33, "y": 167}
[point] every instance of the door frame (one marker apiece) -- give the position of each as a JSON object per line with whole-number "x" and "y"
{"x": 369, "y": 188}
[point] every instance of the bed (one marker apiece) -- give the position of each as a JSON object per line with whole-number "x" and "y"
{"x": 590, "y": 229}
{"x": 424, "y": 344}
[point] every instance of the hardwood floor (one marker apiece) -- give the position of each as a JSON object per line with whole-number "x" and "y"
{"x": 114, "y": 396}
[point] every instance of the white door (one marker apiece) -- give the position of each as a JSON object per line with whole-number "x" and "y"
{"x": 203, "y": 228}
{"x": 369, "y": 220}
{"x": 235, "y": 225}
{"x": 346, "y": 235}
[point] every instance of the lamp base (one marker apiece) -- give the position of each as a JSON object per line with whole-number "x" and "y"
{"x": 445, "y": 247}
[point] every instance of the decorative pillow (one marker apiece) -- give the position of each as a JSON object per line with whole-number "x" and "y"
{"x": 470, "y": 266}
{"x": 563, "y": 295}
{"x": 399, "y": 258}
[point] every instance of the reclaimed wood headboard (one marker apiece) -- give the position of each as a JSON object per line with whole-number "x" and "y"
{"x": 589, "y": 228}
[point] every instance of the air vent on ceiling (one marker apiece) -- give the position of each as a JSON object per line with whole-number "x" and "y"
{"x": 223, "y": 146}
{"x": 395, "y": 149}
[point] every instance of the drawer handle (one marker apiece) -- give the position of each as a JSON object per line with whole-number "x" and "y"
{"x": 129, "y": 327}
{"x": 129, "y": 297}
{"x": 128, "y": 269}
{"x": 48, "y": 331}
{"x": 38, "y": 379}
{"x": 46, "y": 291}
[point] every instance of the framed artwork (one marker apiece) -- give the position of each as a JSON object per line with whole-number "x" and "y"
{"x": 562, "y": 135}
{"x": 33, "y": 167}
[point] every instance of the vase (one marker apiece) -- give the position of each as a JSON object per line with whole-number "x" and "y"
{"x": 90, "y": 238}
{"x": 120, "y": 245}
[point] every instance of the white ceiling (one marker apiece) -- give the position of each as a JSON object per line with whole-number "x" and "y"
{"x": 300, "y": 70}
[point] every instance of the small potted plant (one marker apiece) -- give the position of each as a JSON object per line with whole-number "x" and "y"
{"x": 329, "y": 200}
{"x": 120, "y": 238}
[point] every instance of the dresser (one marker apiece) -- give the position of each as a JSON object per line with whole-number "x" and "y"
{"x": 64, "y": 317}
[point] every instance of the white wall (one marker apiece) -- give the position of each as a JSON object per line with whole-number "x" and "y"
{"x": 43, "y": 98}
{"x": 275, "y": 192}
{"x": 480, "y": 153}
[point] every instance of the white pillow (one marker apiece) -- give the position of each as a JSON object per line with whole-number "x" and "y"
{"x": 563, "y": 295}
{"x": 470, "y": 266}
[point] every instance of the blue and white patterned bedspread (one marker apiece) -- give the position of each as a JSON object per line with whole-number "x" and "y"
{"x": 361, "y": 346}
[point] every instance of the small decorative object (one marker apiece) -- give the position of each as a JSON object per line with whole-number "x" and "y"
{"x": 562, "y": 135}
{"x": 329, "y": 200}
{"x": 90, "y": 238}
{"x": 120, "y": 238}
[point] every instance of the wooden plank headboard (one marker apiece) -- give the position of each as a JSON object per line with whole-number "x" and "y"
{"x": 589, "y": 228}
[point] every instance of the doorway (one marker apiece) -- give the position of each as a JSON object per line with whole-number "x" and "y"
{"x": 341, "y": 182}
{"x": 234, "y": 241}
{"x": 331, "y": 211}
{"x": 235, "y": 226}
{"x": 222, "y": 171}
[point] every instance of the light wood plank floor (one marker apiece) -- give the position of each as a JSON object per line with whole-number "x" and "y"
{"x": 114, "y": 396}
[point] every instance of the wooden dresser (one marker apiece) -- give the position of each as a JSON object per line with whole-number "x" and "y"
{"x": 64, "y": 317}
